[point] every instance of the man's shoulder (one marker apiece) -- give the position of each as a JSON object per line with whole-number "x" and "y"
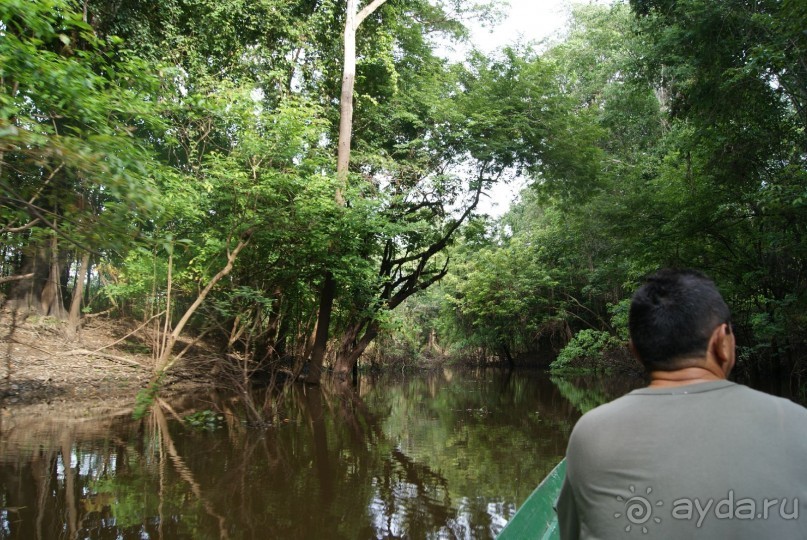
{"x": 744, "y": 398}
{"x": 763, "y": 399}
{"x": 602, "y": 416}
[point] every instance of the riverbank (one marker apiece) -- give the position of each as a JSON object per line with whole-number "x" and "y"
{"x": 105, "y": 366}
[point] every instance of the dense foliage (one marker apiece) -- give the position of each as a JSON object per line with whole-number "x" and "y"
{"x": 179, "y": 159}
{"x": 150, "y": 150}
{"x": 695, "y": 133}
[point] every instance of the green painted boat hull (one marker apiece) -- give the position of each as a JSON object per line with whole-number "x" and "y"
{"x": 537, "y": 518}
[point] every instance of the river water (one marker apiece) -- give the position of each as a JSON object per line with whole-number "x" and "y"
{"x": 447, "y": 454}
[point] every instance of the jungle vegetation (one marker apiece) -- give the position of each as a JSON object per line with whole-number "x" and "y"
{"x": 176, "y": 163}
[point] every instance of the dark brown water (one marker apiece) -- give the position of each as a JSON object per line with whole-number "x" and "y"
{"x": 442, "y": 455}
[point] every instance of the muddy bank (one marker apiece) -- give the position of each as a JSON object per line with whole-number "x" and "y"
{"x": 105, "y": 367}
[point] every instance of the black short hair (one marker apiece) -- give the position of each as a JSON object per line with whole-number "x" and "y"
{"x": 672, "y": 316}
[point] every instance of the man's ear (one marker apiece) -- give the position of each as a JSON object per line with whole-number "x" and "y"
{"x": 723, "y": 347}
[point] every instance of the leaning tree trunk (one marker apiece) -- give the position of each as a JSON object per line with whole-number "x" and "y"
{"x": 165, "y": 359}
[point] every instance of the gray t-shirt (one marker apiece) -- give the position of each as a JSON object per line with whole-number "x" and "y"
{"x": 706, "y": 460}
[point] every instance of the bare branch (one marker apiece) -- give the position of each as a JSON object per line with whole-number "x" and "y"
{"x": 440, "y": 244}
{"x": 367, "y": 11}
{"x": 165, "y": 361}
{"x": 114, "y": 358}
{"x": 6, "y": 279}
{"x": 45, "y": 183}
{"x": 98, "y": 314}
{"x": 127, "y": 335}
{"x": 38, "y": 213}
{"x": 405, "y": 293}
{"x": 21, "y": 228}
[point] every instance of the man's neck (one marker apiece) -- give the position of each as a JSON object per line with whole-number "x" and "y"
{"x": 684, "y": 376}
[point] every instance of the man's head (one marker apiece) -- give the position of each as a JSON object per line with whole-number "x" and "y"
{"x": 674, "y": 319}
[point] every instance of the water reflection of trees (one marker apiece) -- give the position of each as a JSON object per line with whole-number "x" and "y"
{"x": 49, "y": 472}
{"x": 585, "y": 393}
{"x": 448, "y": 454}
{"x": 490, "y": 434}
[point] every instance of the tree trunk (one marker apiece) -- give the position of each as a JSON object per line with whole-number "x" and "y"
{"x": 352, "y": 349}
{"x": 510, "y": 363}
{"x": 74, "y": 317}
{"x": 88, "y": 285}
{"x": 434, "y": 347}
{"x": 26, "y": 292}
{"x": 346, "y": 102}
{"x": 352, "y": 22}
{"x": 42, "y": 291}
{"x": 281, "y": 341}
{"x": 51, "y": 302}
{"x": 323, "y": 323}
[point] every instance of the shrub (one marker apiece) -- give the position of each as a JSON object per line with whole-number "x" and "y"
{"x": 585, "y": 344}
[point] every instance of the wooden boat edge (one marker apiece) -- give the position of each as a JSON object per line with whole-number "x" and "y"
{"x": 536, "y": 518}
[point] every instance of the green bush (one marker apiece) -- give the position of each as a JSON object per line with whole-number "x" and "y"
{"x": 585, "y": 344}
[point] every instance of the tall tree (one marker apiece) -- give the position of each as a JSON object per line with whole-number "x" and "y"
{"x": 451, "y": 136}
{"x": 352, "y": 21}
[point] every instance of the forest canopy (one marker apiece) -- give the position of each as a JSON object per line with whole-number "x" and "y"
{"x": 175, "y": 163}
